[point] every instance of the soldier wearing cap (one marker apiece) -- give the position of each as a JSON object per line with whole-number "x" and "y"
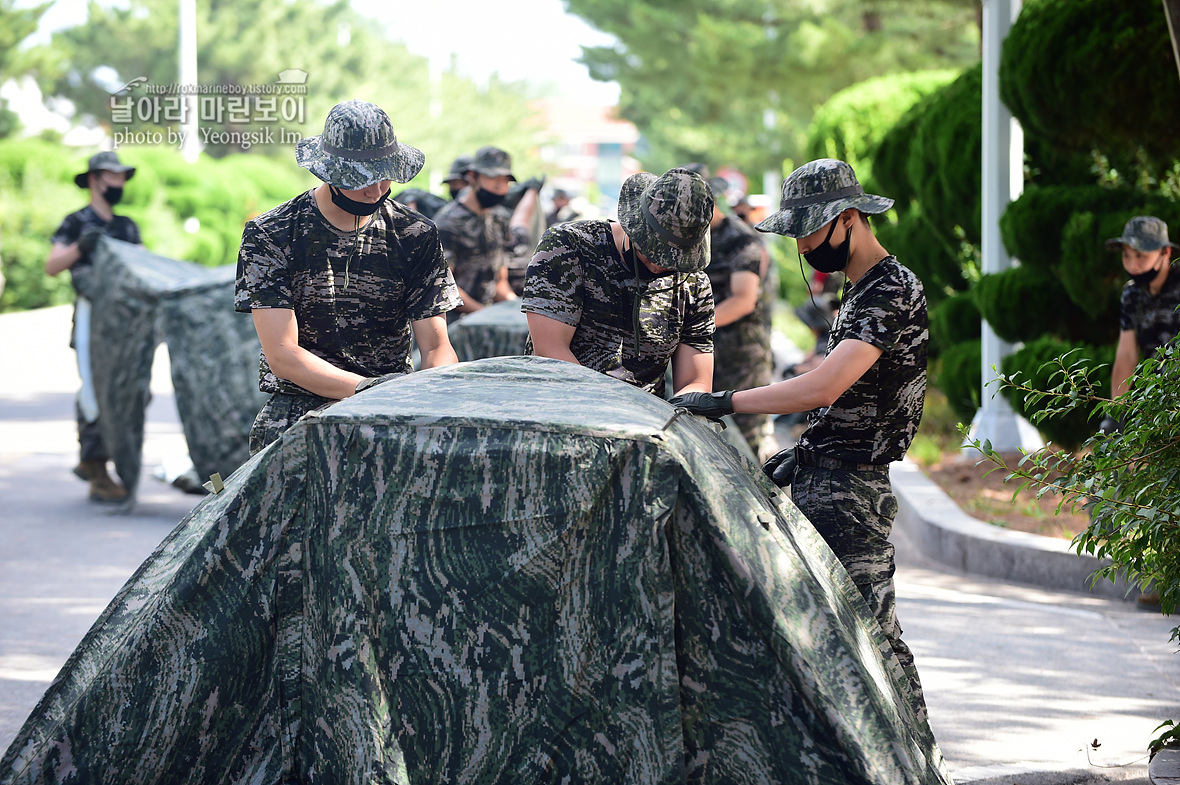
{"x": 741, "y": 342}
{"x": 1148, "y": 318}
{"x": 456, "y": 179}
{"x": 72, "y": 246}
{"x": 865, "y": 398}
{"x": 338, "y": 277}
{"x": 478, "y": 233}
{"x": 627, "y": 298}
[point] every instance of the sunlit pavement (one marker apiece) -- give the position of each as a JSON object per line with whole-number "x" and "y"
{"x": 1019, "y": 680}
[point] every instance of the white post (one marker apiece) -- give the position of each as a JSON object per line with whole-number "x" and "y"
{"x": 190, "y": 144}
{"x": 1003, "y": 181}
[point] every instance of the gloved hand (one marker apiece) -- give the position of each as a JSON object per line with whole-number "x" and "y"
{"x": 373, "y": 381}
{"x": 713, "y": 405}
{"x": 780, "y": 468}
{"x": 88, "y": 240}
{"x": 534, "y": 183}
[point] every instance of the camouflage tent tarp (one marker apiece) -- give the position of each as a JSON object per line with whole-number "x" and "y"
{"x": 141, "y": 298}
{"x": 499, "y": 330}
{"x": 514, "y": 570}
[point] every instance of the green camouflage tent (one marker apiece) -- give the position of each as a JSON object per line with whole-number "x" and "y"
{"x": 499, "y": 330}
{"x": 515, "y": 570}
{"x": 140, "y": 299}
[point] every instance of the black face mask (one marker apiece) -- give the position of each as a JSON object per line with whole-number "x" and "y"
{"x": 827, "y": 259}
{"x": 488, "y": 199}
{"x": 455, "y": 192}
{"x": 353, "y": 207}
{"x": 112, "y": 194}
{"x": 1146, "y": 277}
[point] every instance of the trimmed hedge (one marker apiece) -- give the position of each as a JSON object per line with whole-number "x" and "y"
{"x": 1094, "y": 74}
{"x": 955, "y": 320}
{"x": 959, "y": 375}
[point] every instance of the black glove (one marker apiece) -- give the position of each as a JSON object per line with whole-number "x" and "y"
{"x": 534, "y": 183}
{"x": 712, "y": 405}
{"x": 780, "y": 468}
{"x": 373, "y": 381}
{"x": 88, "y": 240}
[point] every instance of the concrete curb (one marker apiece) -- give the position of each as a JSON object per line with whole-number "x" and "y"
{"x": 944, "y": 533}
{"x": 1164, "y": 768}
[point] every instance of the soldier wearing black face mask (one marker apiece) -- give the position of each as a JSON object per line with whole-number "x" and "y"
{"x": 72, "y": 247}
{"x": 865, "y": 398}
{"x": 1148, "y": 317}
{"x": 478, "y": 233}
{"x": 338, "y": 278}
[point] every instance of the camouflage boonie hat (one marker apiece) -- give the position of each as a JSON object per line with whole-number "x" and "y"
{"x": 492, "y": 162}
{"x": 358, "y": 148}
{"x": 102, "y": 162}
{"x": 1143, "y": 233}
{"x": 816, "y": 193}
{"x": 667, "y": 217}
{"x": 459, "y": 167}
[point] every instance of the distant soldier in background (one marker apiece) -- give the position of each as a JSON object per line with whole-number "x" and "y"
{"x": 477, "y": 237}
{"x": 72, "y": 246}
{"x": 456, "y": 179}
{"x": 561, "y": 212}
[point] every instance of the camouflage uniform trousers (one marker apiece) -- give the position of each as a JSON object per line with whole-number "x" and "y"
{"x": 853, "y": 512}
{"x": 280, "y": 413}
{"x": 741, "y": 360}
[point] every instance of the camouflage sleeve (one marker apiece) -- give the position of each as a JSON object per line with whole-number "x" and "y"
{"x": 131, "y": 232}
{"x": 698, "y": 315}
{"x": 68, "y": 232}
{"x": 1127, "y": 307}
{"x": 879, "y": 319}
{"x": 431, "y": 289}
{"x": 748, "y": 258}
{"x": 553, "y": 284}
{"x": 519, "y": 240}
{"x": 263, "y": 279}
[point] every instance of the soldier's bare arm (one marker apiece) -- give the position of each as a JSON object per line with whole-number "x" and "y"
{"x": 433, "y": 342}
{"x": 62, "y": 257}
{"x": 278, "y": 332}
{"x": 744, "y": 289}
{"x": 814, "y": 389}
{"x": 692, "y": 370}
{"x": 551, "y": 338}
{"x": 1126, "y": 357}
{"x": 503, "y": 288}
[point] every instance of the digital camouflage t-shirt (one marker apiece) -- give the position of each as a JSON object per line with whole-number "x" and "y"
{"x": 354, "y": 307}
{"x": 578, "y": 277}
{"x": 477, "y": 246}
{"x": 875, "y": 420}
{"x": 76, "y": 224}
{"x": 1153, "y": 318}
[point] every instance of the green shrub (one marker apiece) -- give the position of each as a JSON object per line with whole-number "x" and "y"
{"x": 1023, "y": 303}
{"x": 854, "y": 120}
{"x": 1094, "y": 73}
{"x": 1036, "y": 364}
{"x": 955, "y": 320}
{"x": 937, "y": 260}
{"x": 1091, "y": 275}
{"x": 959, "y": 374}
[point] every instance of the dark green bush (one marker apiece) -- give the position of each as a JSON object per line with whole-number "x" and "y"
{"x": 1094, "y": 74}
{"x": 1022, "y": 303}
{"x": 959, "y": 374}
{"x": 1031, "y": 227}
{"x": 955, "y": 320}
{"x": 1092, "y": 276}
{"x": 1035, "y": 362}
{"x": 945, "y": 162}
{"x": 936, "y": 259}
{"x": 854, "y": 120}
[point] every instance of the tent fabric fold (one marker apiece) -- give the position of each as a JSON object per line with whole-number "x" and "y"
{"x": 514, "y": 570}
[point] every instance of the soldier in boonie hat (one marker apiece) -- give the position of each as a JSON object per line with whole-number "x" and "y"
{"x": 358, "y": 148}
{"x": 350, "y": 273}
{"x": 668, "y": 217}
{"x": 865, "y": 397}
{"x": 629, "y": 298}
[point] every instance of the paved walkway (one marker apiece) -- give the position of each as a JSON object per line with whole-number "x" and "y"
{"x": 1019, "y": 680}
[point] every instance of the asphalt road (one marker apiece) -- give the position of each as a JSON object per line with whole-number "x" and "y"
{"x": 1019, "y": 681}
